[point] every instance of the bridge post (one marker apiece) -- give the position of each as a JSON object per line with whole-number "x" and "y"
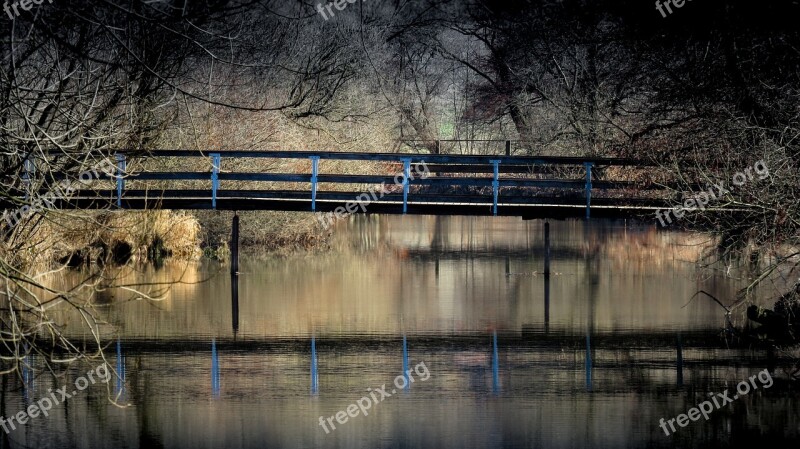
{"x": 495, "y": 184}
{"x": 215, "y": 165}
{"x": 122, "y": 165}
{"x": 314, "y": 173}
{"x": 406, "y": 175}
{"x": 28, "y": 168}
{"x": 508, "y": 148}
{"x": 588, "y": 166}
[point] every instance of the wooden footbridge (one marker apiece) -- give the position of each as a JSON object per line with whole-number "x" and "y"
{"x": 421, "y": 184}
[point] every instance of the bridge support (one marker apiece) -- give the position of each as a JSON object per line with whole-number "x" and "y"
{"x": 314, "y": 177}
{"x": 121, "y": 167}
{"x": 406, "y": 176}
{"x": 235, "y": 245}
{"x": 216, "y": 161}
{"x": 29, "y": 169}
{"x": 495, "y": 185}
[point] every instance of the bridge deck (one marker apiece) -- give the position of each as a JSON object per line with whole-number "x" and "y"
{"x": 417, "y": 204}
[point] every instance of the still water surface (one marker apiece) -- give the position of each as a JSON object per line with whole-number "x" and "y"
{"x": 592, "y": 357}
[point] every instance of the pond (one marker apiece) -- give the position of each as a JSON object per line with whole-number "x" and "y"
{"x": 319, "y": 350}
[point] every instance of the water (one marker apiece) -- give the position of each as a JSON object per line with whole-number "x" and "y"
{"x": 497, "y": 360}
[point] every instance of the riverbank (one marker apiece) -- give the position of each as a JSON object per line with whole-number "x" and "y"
{"x": 84, "y": 238}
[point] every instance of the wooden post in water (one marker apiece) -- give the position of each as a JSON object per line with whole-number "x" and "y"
{"x": 235, "y": 305}
{"x": 547, "y": 249}
{"x": 235, "y": 245}
{"x": 547, "y": 277}
{"x": 495, "y": 365}
{"x": 547, "y": 304}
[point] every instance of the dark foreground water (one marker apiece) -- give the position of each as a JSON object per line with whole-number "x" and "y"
{"x": 500, "y": 356}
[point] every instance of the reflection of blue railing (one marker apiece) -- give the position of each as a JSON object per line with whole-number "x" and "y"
{"x": 314, "y": 374}
{"x": 495, "y": 365}
{"x": 477, "y": 367}
{"x": 588, "y": 361}
{"x": 28, "y": 378}
{"x": 214, "y": 370}
{"x": 405, "y": 362}
{"x": 120, "y": 386}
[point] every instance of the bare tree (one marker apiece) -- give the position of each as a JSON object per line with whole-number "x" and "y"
{"x": 82, "y": 79}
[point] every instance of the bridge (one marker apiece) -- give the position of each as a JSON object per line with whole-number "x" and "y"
{"x": 420, "y": 184}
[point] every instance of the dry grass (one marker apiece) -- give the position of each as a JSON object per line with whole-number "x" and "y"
{"x": 93, "y": 236}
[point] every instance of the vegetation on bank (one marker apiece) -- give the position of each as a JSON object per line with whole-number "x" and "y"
{"x": 102, "y": 238}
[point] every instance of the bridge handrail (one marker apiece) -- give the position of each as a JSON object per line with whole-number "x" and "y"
{"x": 388, "y": 157}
